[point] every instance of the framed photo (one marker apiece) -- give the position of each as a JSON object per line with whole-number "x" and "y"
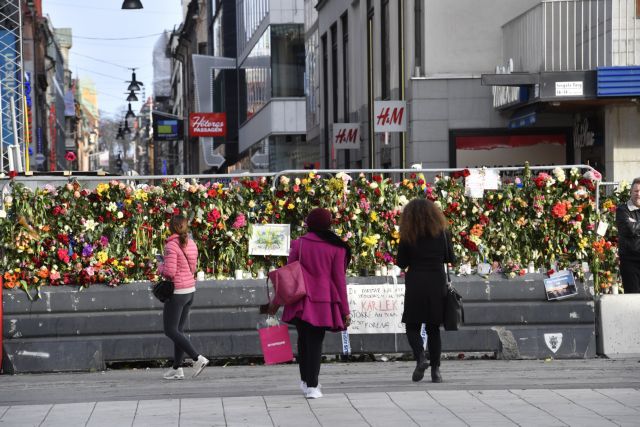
{"x": 270, "y": 239}
{"x": 560, "y": 285}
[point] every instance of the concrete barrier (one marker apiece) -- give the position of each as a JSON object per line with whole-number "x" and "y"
{"x": 71, "y": 330}
{"x": 619, "y": 325}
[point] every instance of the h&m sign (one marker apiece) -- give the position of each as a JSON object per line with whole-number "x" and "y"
{"x": 346, "y": 136}
{"x": 390, "y": 116}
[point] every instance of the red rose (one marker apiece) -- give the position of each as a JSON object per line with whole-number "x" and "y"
{"x": 70, "y": 156}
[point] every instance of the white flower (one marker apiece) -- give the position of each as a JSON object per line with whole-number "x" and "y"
{"x": 559, "y": 174}
{"x": 90, "y": 225}
{"x": 284, "y": 180}
{"x": 438, "y": 204}
{"x": 373, "y": 185}
{"x": 402, "y": 200}
{"x": 112, "y": 207}
{"x": 119, "y": 214}
{"x": 169, "y": 209}
{"x": 416, "y": 166}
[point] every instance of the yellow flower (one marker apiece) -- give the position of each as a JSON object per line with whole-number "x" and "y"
{"x": 374, "y": 216}
{"x": 101, "y": 188}
{"x": 140, "y": 195}
{"x": 291, "y": 206}
{"x": 102, "y": 256}
{"x": 281, "y": 203}
{"x": 371, "y": 240}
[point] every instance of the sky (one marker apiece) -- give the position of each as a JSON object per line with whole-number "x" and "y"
{"x": 105, "y": 62}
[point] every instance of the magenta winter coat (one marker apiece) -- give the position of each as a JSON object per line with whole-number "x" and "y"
{"x": 326, "y": 302}
{"x": 175, "y": 265}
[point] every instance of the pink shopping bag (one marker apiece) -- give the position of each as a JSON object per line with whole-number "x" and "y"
{"x": 276, "y": 345}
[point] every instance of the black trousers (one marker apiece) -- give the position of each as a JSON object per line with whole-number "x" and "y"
{"x": 630, "y": 273}
{"x": 309, "y": 351}
{"x": 174, "y": 316}
{"x": 434, "y": 344}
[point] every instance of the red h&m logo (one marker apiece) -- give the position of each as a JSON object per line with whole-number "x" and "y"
{"x": 208, "y": 124}
{"x": 346, "y": 136}
{"x": 395, "y": 118}
{"x": 390, "y": 116}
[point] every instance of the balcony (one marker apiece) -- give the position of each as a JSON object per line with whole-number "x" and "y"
{"x": 574, "y": 35}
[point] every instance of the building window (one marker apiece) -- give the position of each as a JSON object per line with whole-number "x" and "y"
{"x": 325, "y": 96}
{"x": 638, "y": 9}
{"x": 419, "y": 36}
{"x": 385, "y": 62}
{"x": 287, "y": 60}
{"x": 334, "y": 71}
{"x": 345, "y": 67}
{"x": 312, "y": 83}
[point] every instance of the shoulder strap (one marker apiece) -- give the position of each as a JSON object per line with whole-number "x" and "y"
{"x": 185, "y": 256}
{"x": 446, "y": 254}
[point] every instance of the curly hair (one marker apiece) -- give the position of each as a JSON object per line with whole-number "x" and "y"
{"x": 421, "y": 218}
{"x": 179, "y": 225}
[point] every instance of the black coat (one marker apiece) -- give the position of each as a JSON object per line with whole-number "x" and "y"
{"x": 425, "y": 279}
{"x": 628, "y": 225}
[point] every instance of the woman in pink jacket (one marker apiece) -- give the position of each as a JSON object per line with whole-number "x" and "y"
{"x": 324, "y": 257}
{"x": 179, "y": 265}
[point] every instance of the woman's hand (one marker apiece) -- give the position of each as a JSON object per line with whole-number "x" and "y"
{"x": 347, "y": 320}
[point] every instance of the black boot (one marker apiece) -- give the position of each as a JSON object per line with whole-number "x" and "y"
{"x": 421, "y": 366}
{"x": 435, "y": 374}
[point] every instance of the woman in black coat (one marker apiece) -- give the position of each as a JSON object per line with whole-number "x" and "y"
{"x": 425, "y": 245}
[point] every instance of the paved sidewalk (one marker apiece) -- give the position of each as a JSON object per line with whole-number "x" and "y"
{"x": 596, "y": 392}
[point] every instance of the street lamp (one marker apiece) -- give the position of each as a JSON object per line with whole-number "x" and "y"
{"x": 131, "y": 4}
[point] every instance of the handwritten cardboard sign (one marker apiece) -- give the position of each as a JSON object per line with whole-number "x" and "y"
{"x": 376, "y": 309}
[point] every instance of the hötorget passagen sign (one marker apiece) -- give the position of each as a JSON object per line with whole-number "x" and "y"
{"x": 208, "y": 124}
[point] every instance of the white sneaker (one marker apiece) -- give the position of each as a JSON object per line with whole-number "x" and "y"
{"x": 199, "y": 365}
{"x": 313, "y": 393}
{"x": 174, "y": 374}
{"x": 303, "y": 387}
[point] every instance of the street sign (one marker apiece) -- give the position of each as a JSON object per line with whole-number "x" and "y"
{"x": 260, "y": 160}
{"x": 216, "y": 160}
{"x": 39, "y": 158}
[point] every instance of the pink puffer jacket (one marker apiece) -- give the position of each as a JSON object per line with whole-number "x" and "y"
{"x": 176, "y": 266}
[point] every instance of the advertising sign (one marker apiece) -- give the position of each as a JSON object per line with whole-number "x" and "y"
{"x": 390, "y": 116}
{"x": 208, "y": 124}
{"x": 167, "y": 129}
{"x": 346, "y": 136}
{"x": 8, "y": 83}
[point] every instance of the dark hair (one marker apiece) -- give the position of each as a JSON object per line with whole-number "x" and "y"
{"x": 180, "y": 225}
{"x": 421, "y": 218}
{"x": 332, "y": 238}
{"x": 636, "y": 181}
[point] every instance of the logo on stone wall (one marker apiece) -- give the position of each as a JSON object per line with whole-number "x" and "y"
{"x": 554, "y": 341}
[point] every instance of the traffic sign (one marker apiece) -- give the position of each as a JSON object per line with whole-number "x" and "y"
{"x": 216, "y": 160}
{"x": 39, "y": 158}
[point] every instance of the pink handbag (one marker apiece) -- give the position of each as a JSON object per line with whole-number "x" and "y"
{"x": 288, "y": 283}
{"x": 276, "y": 345}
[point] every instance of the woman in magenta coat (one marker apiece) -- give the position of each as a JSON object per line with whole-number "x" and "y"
{"x": 324, "y": 257}
{"x": 179, "y": 265}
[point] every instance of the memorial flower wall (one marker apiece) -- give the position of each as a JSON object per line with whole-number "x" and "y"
{"x": 72, "y": 235}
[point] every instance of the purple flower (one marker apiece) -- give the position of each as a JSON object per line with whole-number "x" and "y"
{"x": 104, "y": 241}
{"x": 87, "y": 250}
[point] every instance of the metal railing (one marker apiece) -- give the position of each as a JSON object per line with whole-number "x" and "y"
{"x": 574, "y": 35}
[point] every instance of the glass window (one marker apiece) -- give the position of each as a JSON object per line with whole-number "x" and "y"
{"x": 345, "y": 67}
{"x": 292, "y": 152}
{"x": 287, "y": 60}
{"x": 255, "y": 77}
{"x": 384, "y": 51}
{"x": 334, "y": 71}
{"x": 419, "y": 34}
{"x": 312, "y": 83}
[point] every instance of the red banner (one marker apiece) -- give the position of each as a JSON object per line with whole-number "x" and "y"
{"x": 208, "y": 124}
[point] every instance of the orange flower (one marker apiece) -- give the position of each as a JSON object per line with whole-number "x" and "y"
{"x": 477, "y": 230}
{"x": 43, "y": 272}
